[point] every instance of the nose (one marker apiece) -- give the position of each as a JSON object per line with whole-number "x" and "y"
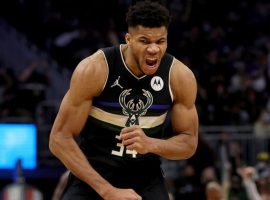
{"x": 152, "y": 49}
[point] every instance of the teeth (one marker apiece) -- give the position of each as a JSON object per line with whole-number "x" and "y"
{"x": 151, "y": 62}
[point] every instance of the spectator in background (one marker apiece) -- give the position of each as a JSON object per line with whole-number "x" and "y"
{"x": 247, "y": 174}
{"x": 8, "y": 93}
{"x": 256, "y": 182}
{"x": 236, "y": 190}
{"x": 208, "y": 175}
{"x": 262, "y": 129}
{"x": 213, "y": 191}
{"x": 262, "y": 175}
{"x": 262, "y": 125}
{"x": 188, "y": 185}
{"x": 33, "y": 83}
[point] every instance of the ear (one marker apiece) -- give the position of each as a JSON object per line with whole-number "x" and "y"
{"x": 127, "y": 38}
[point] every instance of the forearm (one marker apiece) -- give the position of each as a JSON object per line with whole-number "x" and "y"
{"x": 251, "y": 189}
{"x": 67, "y": 150}
{"x": 175, "y": 148}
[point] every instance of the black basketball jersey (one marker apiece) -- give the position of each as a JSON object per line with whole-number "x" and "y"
{"x": 126, "y": 100}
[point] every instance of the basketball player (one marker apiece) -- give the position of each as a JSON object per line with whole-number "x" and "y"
{"x": 117, "y": 102}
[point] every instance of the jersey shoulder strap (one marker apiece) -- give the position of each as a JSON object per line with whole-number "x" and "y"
{"x": 111, "y": 54}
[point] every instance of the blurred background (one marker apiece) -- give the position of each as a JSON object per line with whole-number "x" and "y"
{"x": 225, "y": 43}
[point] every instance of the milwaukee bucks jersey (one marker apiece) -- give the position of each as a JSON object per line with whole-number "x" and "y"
{"x": 126, "y": 100}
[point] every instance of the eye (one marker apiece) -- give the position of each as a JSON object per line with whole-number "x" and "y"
{"x": 161, "y": 41}
{"x": 144, "y": 41}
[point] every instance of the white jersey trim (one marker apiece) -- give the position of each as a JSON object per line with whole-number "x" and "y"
{"x": 105, "y": 83}
{"x": 169, "y": 79}
{"x": 120, "y": 120}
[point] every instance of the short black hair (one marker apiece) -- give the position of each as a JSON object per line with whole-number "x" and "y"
{"x": 148, "y": 14}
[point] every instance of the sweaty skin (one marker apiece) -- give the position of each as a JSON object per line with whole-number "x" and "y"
{"x": 142, "y": 54}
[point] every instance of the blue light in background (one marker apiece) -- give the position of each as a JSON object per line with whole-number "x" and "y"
{"x": 18, "y": 141}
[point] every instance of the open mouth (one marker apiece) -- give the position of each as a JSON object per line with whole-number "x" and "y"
{"x": 151, "y": 62}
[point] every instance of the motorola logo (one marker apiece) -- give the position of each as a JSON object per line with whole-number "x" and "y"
{"x": 157, "y": 83}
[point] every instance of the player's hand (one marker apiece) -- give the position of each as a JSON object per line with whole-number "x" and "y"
{"x": 246, "y": 172}
{"x": 122, "y": 194}
{"x": 134, "y": 138}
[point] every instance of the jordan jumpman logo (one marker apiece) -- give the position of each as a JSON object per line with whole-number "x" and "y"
{"x": 116, "y": 83}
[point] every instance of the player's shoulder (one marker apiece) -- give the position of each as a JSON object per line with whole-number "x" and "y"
{"x": 91, "y": 66}
{"x": 183, "y": 82}
{"x": 181, "y": 72}
{"x": 92, "y": 70}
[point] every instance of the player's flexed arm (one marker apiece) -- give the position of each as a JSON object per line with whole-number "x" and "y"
{"x": 87, "y": 82}
{"x": 184, "y": 121}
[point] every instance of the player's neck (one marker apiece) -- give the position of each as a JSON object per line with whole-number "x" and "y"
{"x": 130, "y": 62}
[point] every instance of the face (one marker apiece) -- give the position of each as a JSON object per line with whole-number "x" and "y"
{"x": 146, "y": 47}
